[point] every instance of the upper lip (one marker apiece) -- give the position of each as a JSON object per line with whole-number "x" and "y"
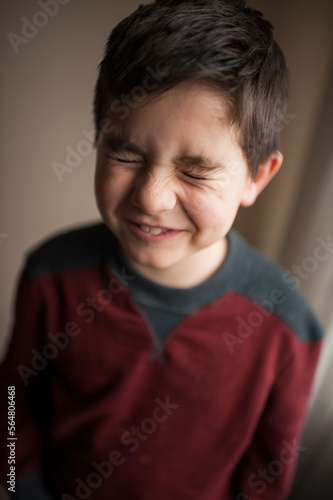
{"x": 141, "y": 223}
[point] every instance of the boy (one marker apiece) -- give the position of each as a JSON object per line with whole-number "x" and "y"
{"x": 157, "y": 355}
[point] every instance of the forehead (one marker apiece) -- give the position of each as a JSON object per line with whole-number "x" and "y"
{"x": 191, "y": 113}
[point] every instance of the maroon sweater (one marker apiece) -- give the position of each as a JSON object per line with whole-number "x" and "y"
{"x": 109, "y": 408}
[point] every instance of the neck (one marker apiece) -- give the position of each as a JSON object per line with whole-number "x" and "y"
{"x": 197, "y": 269}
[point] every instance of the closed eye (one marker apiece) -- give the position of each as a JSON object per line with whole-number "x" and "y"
{"x": 193, "y": 166}
{"x": 194, "y": 176}
{"x": 122, "y": 153}
{"x": 123, "y": 160}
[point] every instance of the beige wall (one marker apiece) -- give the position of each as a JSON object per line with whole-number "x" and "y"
{"x": 303, "y": 28}
{"x": 46, "y": 91}
{"x": 46, "y": 97}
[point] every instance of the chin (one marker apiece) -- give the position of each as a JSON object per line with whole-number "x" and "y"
{"x": 152, "y": 262}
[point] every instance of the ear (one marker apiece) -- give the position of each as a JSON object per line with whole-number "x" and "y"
{"x": 266, "y": 172}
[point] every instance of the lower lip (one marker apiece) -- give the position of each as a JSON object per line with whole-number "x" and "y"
{"x": 166, "y": 235}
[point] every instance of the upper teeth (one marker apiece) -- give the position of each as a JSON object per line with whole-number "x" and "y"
{"x": 155, "y": 231}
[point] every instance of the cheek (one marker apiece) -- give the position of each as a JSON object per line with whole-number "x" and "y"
{"x": 212, "y": 209}
{"x": 205, "y": 208}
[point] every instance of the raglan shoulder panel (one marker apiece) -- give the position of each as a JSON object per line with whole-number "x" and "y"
{"x": 272, "y": 287}
{"x": 76, "y": 249}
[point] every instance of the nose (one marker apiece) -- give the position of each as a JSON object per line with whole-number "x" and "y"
{"x": 154, "y": 192}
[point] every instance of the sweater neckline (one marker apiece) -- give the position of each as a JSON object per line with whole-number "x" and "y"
{"x": 229, "y": 276}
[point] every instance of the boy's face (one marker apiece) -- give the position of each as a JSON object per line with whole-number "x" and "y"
{"x": 169, "y": 181}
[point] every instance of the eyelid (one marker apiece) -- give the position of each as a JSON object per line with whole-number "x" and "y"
{"x": 116, "y": 152}
{"x": 198, "y": 167}
{"x": 122, "y": 160}
{"x": 194, "y": 176}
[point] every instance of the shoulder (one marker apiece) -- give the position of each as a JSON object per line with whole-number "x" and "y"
{"x": 272, "y": 287}
{"x": 74, "y": 249}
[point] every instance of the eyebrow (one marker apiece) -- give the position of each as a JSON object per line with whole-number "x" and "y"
{"x": 199, "y": 161}
{"x": 122, "y": 145}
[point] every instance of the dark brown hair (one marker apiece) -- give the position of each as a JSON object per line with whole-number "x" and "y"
{"x": 223, "y": 43}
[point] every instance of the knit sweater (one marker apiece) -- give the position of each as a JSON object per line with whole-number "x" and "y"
{"x": 128, "y": 389}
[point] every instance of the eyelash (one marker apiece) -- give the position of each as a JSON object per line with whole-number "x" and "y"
{"x": 122, "y": 160}
{"x": 194, "y": 176}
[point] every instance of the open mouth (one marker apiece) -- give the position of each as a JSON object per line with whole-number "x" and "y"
{"x": 155, "y": 231}
{"x": 152, "y": 232}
